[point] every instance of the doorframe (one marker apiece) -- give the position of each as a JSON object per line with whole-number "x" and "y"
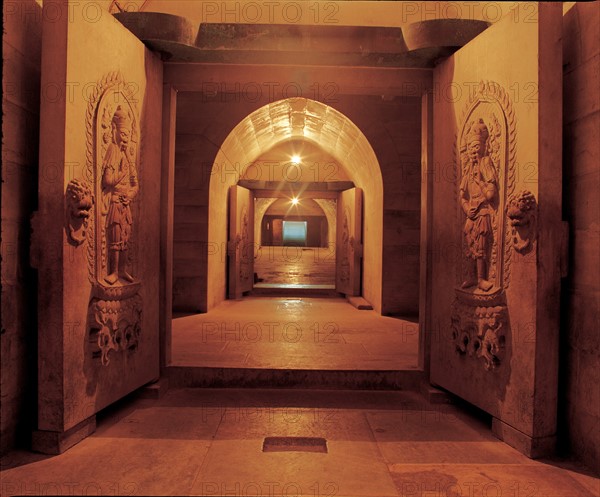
{"x": 167, "y": 208}
{"x": 176, "y": 78}
{"x": 311, "y": 195}
{"x": 167, "y": 218}
{"x": 425, "y": 243}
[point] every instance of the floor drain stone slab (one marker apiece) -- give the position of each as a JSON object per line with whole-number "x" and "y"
{"x": 295, "y": 444}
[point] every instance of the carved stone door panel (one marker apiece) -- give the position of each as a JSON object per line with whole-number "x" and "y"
{"x": 240, "y": 248}
{"x": 348, "y": 255}
{"x": 496, "y": 224}
{"x": 96, "y": 235}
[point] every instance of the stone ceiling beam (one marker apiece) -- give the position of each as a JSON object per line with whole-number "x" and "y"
{"x": 417, "y": 44}
{"x": 284, "y": 81}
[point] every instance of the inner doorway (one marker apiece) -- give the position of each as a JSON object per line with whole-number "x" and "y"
{"x": 306, "y": 225}
{"x": 294, "y": 233}
{"x": 295, "y": 244}
{"x": 317, "y": 156}
{"x": 310, "y": 126}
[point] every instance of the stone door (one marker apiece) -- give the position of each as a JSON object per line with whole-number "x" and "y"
{"x": 240, "y": 247}
{"x": 348, "y": 253}
{"x": 496, "y": 225}
{"x": 96, "y": 234}
{"x": 277, "y": 230}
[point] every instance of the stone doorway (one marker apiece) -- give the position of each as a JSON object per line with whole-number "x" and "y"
{"x": 309, "y": 164}
{"x": 295, "y": 244}
{"x": 292, "y": 149}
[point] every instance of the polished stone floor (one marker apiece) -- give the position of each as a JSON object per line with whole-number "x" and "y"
{"x": 210, "y": 442}
{"x": 293, "y": 286}
{"x": 295, "y": 265}
{"x": 294, "y": 333}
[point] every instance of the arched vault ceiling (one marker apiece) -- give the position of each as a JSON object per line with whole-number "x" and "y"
{"x": 301, "y": 118}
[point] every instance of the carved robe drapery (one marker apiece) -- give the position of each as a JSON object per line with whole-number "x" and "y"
{"x": 120, "y": 185}
{"x": 475, "y": 188}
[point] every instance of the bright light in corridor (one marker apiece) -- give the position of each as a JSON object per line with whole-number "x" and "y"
{"x": 295, "y": 201}
{"x": 295, "y": 159}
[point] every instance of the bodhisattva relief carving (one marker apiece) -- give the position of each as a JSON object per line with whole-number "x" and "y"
{"x": 479, "y": 201}
{"x": 79, "y": 202}
{"x": 347, "y": 248}
{"x": 119, "y": 188}
{"x": 246, "y": 248}
{"x": 522, "y": 213}
{"x": 485, "y": 151}
{"x": 101, "y": 212}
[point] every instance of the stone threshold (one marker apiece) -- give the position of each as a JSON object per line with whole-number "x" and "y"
{"x": 205, "y": 377}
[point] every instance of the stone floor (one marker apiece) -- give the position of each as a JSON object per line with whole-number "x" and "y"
{"x": 295, "y": 265}
{"x": 293, "y": 286}
{"x": 294, "y": 333}
{"x": 210, "y": 442}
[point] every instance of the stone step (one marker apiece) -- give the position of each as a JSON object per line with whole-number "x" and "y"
{"x": 360, "y": 303}
{"x": 265, "y": 290}
{"x": 205, "y": 377}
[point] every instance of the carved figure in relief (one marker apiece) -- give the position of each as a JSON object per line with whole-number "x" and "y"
{"x": 490, "y": 334}
{"x": 80, "y": 201}
{"x": 246, "y": 254}
{"x": 480, "y": 332}
{"x": 120, "y": 183}
{"x": 347, "y": 244}
{"x": 478, "y": 192}
{"x": 521, "y": 212}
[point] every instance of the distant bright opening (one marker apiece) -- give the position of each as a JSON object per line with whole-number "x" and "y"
{"x": 295, "y": 159}
{"x": 294, "y": 233}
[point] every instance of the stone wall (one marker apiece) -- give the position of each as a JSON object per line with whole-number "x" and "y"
{"x": 579, "y": 405}
{"x": 393, "y": 128}
{"x": 21, "y": 51}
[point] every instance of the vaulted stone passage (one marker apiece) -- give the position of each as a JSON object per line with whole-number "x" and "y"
{"x": 218, "y": 144}
{"x": 317, "y": 123}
